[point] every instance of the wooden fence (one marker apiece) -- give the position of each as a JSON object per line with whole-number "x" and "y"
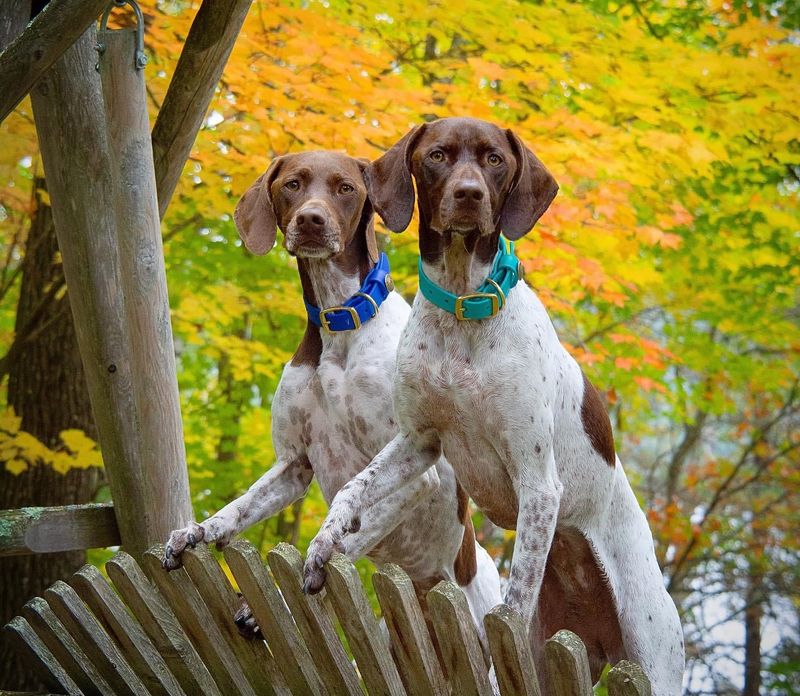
{"x": 172, "y": 633}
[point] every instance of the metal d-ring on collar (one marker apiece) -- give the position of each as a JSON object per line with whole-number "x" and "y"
{"x": 140, "y": 58}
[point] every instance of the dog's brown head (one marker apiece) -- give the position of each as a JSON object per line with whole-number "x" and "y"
{"x": 319, "y": 200}
{"x": 473, "y": 179}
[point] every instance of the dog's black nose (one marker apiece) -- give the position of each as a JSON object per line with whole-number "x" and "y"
{"x": 468, "y": 190}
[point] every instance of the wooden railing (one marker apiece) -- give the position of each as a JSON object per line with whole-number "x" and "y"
{"x": 173, "y": 633}
{"x": 62, "y": 528}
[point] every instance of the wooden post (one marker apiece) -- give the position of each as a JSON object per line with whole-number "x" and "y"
{"x": 143, "y": 279}
{"x": 151, "y": 497}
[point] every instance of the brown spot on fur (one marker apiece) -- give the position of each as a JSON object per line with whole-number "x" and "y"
{"x": 465, "y": 565}
{"x": 575, "y": 595}
{"x": 596, "y": 424}
{"x": 310, "y": 348}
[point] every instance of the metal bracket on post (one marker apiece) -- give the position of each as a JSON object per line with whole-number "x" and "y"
{"x": 140, "y": 59}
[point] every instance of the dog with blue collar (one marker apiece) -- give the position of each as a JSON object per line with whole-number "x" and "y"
{"x": 333, "y": 409}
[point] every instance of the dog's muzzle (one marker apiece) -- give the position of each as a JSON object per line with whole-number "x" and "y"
{"x": 466, "y": 206}
{"x": 313, "y": 232}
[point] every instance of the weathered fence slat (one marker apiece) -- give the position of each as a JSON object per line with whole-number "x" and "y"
{"x": 51, "y": 529}
{"x": 368, "y": 644}
{"x": 567, "y": 665}
{"x": 458, "y": 640}
{"x": 173, "y": 634}
{"x": 140, "y": 653}
{"x": 212, "y": 585}
{"x": 94, "y": 641}
{"x": 511, "y": 652}
{"x": 313, "y": 622}
{"x": 64, "y": 647}
{"x": 411, "y": 643}
{"x": 49, "y": 669}
{"x": 628, "y": 679}
{"x": 199, "y": 624}
{"x": 161, "y": 624}
{"x": 274, "y": 619}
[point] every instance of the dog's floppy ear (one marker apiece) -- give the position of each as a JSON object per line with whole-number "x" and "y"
{"x": 389, "y": 182}
{"x": 367, "y": 221}
{"x": 532, "y": 191}
{"x": 254, "y": 215}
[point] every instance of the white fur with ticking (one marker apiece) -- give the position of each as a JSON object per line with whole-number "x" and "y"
{"x": 329, "y": 421}
{"x": 502, "y": 398}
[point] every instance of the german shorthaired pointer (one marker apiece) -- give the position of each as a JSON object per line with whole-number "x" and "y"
{"x": 333, "y": 410}
{"x": 482, "y": 378}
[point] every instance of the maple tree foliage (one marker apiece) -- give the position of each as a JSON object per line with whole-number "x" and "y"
{"x": 668, "y": 261}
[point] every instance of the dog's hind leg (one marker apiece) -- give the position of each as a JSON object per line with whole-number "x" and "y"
{"x": 649, "y": 622}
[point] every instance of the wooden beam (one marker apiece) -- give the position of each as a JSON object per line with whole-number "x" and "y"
{"x": 50, "y": 529}
{"x": 40, "y": 45}
{"x": 13, "y": 18}
{"x": 208, "y": 45}
{"x": 143, "y": 281}
{"x": 70, "y": 122}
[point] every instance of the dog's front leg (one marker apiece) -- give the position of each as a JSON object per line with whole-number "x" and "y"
{"x": 284, "y": 483}
{"x": 377, "y": 521}
{"x": 399, "y": 463}
{"x": 539, "y": 493}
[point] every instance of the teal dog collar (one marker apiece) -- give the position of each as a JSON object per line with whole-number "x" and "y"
{"x": 488, "y": 299}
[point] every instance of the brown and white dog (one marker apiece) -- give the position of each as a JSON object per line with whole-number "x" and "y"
{"x": 525, "y": 431}
{"x": 332, "y": 411}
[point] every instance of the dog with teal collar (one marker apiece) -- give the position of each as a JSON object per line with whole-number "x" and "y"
{"x": 496, "y": 392}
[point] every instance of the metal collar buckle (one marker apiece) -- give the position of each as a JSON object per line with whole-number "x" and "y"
{"x": 459, "y": 311}
{"x": 326, "y": 324}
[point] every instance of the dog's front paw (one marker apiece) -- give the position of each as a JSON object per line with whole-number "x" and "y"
{"x": 320, "y": 551}
{"x": 245, "y": 621}
{"x": 190, "y": 536}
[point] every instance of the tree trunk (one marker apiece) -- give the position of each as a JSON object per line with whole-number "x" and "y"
{"x": 752, "y": 631}
{"x": 47, "y": 390}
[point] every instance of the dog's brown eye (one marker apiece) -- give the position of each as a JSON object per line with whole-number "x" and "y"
{"x": 437, "y": 156}
{"x": 346, "y": 188}
{"x": 494, "y": 159}
{"x": 292, "y": 185}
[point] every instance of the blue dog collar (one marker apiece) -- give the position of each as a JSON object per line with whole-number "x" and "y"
{"x": 361, "y": 307}
{"x": 488, "y": 299}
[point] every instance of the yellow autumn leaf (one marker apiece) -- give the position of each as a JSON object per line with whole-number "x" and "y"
{"x": 77, "y": 441}
{"x": 16, "y": 466}
{"x": 9, "y": 421}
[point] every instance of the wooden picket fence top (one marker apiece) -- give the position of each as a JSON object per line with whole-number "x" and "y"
{"x": 173, "y": 633}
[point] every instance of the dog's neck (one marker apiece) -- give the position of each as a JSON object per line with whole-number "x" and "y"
{"x": 328, "y": 283}
{"x": 457, "y": 262}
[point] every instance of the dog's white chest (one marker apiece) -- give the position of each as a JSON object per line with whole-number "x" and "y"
{"x": 342, "y": 410}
